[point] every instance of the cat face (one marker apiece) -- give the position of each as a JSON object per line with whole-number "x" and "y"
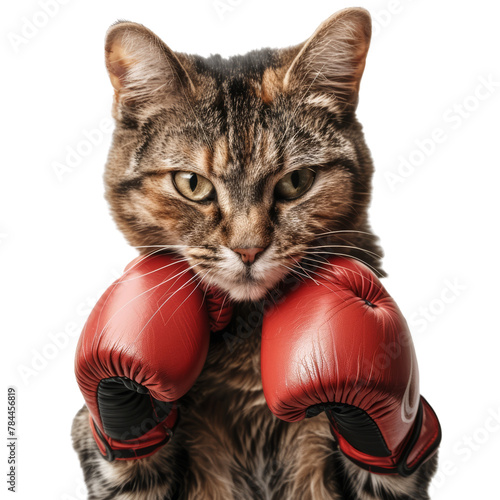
{"x": 250, "y": 168}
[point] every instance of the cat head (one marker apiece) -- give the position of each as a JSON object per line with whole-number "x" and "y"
{"x": 251, "y": 167}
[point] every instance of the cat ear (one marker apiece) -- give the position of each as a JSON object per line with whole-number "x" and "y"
{"x": 330, "y": 64}
{"x": 142, "y": 68}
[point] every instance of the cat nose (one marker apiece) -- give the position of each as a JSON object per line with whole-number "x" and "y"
{"x": 248, "y": 255}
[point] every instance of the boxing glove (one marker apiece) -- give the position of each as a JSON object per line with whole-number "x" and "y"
{"x": 338, "y": 343}
{"x": 141, "y": 349}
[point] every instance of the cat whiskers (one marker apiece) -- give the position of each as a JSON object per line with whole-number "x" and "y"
{"x": 330, "y": 248}
{"x": 296, "y": 272}
{"x": 166, "y": 247}
{"x": 177, "y": 261}
{"x": 193, "y": 278}
{"x": 208, "y": 285}
{"x": 315, "y": 256}
{"x": 178, "y": 275}
{"x": 323, "y": 268}
{"x": 353, "y": 247}
{"x": 338, "y": 254}
{"x": 297, "y": 263}
{"x": 338, "y": 231}
{"x": 158, "y": 249}
{"x": 308, "y": 276}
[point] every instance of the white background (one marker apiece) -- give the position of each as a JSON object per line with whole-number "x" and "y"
{"x": 59, "y": 247}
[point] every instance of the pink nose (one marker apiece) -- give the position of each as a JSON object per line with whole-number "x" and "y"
{"x": 248, "y": 254}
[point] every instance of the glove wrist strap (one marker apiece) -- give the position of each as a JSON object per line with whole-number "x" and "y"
{"x": 420, "y": 446}
{"x": 145, "y": 446}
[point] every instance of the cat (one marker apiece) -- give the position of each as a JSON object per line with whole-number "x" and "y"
{"x": 263, "y": 152}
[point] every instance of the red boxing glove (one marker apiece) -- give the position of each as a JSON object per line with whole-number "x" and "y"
{"x": 142, "y": 348}
{"x": 339, "y": 343}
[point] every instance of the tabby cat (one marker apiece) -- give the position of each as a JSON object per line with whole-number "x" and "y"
{"x": 260, "y": 151}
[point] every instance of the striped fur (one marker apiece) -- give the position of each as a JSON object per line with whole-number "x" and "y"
{"x": 242, "y": 123}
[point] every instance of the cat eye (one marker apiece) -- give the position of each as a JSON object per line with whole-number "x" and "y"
{"x": 295, "y": 184}
{"x": 193, "y": 186}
